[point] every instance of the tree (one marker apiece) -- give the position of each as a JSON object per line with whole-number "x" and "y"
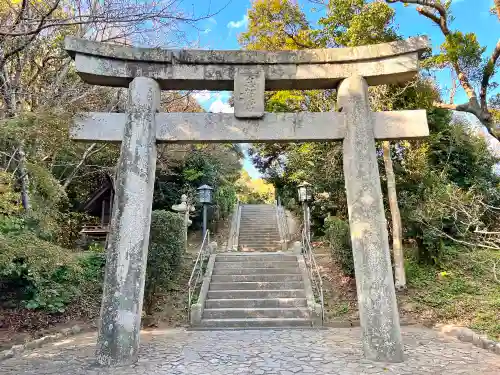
{"x": 397, "y": 233}
{"x": 464, "y": 55}
{"x": 282, "y": 25}
{"x": 254, "y": 190}
{"x": 36, "y": 74}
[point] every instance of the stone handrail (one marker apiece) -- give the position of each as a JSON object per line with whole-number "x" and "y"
{"x": 282, "y": 224}
{"x": 198, "y": 269}
{"x": 313, "y": 272}
{"x": 232, "y": 243}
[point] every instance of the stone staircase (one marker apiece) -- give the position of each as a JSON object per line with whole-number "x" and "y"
{"x": 262, "y": 290}
{"x": 258, "y": 230}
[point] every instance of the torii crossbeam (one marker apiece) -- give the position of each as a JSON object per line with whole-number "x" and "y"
{"x": 249, "y": 73}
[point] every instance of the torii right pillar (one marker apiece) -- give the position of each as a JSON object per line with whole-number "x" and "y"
{"x": 378, "y": 311}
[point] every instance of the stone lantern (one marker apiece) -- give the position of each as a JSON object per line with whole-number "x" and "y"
{"x": 205, "y": 197}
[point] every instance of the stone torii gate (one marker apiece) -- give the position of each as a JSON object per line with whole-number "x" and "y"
{"x": 249, "y": 73}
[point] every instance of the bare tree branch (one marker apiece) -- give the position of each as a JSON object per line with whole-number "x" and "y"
{"x": 437, "y": 13}
{"x": 453, "y": 90}
{"x": 33, "y": 35}
{"x": 77, "y": 167}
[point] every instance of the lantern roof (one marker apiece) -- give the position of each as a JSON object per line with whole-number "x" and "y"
{"x": 205, "y": 187}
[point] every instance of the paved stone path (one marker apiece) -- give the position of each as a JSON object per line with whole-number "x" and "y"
{"x": 287, "y": 352}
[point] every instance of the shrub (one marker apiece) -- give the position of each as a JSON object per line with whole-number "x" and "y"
{"x": 337, "y": 234}
{"x": 92, "y": 267}
{"x": 38, "y": 273}
{"x": 8, "y": 198}
{"x": 166, "y": 246}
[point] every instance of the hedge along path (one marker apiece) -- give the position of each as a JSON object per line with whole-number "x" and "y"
{"x": 249, "y": 73}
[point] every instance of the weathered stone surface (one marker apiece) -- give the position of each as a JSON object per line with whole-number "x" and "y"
{"x": 116, "y": 51}
{"x": 369, "y": 52}
{"x": 393, "y": 125}
{"x": 112, "y": 72}
{"x": 315, "y": 309}
{"x": 119, "y": 326}
{"x": 273, "y": 127}
{"x": 249, "y": 86}
{"x": 375, "y": 285}
{"x": 199, "y": 305}
{"x": 216, "y": 127}
{"x": 320, "y": 352}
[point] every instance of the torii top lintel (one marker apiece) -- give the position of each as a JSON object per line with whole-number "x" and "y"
{"x": 115, "y": 65}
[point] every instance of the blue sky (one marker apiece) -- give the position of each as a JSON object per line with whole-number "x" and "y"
{"x": 221, "y": 32}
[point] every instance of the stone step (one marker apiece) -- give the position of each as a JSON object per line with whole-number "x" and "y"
{"x": 257, "y": 227}
{"x": 255, "y": 303}
{"x": 259, "y": 249}
{"x": 252, "y": 285}
{"x": 253, "y": 294}
{"x": 258, "y": 214}
{"x": 256, "y": 323}
{"x": 260, "y": 220}
{"x": 256, "y": 245}
{"x": 259, "y": 233}
{"x": 256, "y": 264}
{"x": 255, "y": 271}
{"x": 256, "y": 257}
{"x": 238, "y": 313}
{"x": 256, "y": 278}
{"x": 258, "y": 239}
{"x": 258, "y": 224}
{"x": 262, "y": 233}
{"x": 247, "y": 210}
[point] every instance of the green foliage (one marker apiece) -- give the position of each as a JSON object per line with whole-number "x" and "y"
{"x": 462, "y": 288}
{"x": 337, "y": 234}
{"x": 166, "y": 246}
{"x": 92, "y": 266}
{"x": 42, "y": 275}
{"x": 215, "y": 165}
{"x": 254, "y": 190}
{"x": 443, "y": 181}
{"x": 463, "y": 50}
{"x": 225, "y": 199}
{"x": 68, "y": 226}
{"x": 290, "y": 29}
{"x": 443, "y": 184}
{"x": 12, "y": 225}
{"x": 356, "y": 22}
{"x": 8, "y": 198}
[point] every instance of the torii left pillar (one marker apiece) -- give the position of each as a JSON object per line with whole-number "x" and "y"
{"x": 120, "y": 322}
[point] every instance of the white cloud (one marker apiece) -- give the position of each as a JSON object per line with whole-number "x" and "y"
{"x": 212, "y": 20}
{"x": 220, "y": 107}
{"x": 238, "y": 24}
{"x": 206, "y": 31}
{"x": 202, "y": 96}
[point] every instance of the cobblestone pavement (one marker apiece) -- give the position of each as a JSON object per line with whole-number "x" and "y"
{"x": 286, "y": 352}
